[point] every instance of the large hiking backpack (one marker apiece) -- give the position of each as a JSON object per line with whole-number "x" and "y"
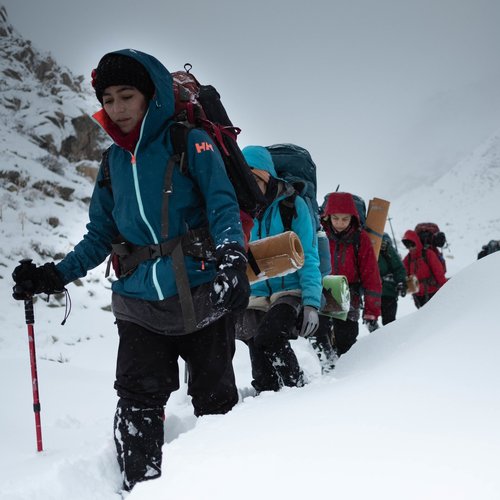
{"x": 432, "y": 238}
{"x": 491, "y": 247}
{"x": 200, "y": 106}
{"x": 361, "y": 208}
{"x": 295, "y": 165}
{"x": 430, "y": 235}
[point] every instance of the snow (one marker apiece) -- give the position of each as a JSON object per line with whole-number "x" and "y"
{"x": 410, "y": 412}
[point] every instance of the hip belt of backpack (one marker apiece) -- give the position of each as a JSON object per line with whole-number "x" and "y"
{"x": 196, "y": 243}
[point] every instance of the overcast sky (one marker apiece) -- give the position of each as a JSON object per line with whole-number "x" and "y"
{"x": 376, "y": 90}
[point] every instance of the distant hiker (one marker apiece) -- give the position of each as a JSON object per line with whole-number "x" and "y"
{"x": 172, "y": 299}
{"x": 393, "y": 275}
{"x": 281, "y": 308}
{"x": 352, "y": 255}
{"x": 433, "y": 239}
{"x": 491, "y": 247}
{"x": 425, "y": 265}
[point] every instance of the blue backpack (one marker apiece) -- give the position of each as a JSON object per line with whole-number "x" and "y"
{"x": 295, "y": 165}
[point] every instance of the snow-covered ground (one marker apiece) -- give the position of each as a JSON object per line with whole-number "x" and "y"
{"x": 410, "y": 412}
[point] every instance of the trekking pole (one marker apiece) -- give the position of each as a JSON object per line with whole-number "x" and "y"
{"x": 392, "y": 231}
{"x": 30, "y": 321}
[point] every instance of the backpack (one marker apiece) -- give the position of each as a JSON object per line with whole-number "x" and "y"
{"x": 430, "y": 235}
{"x": 492, "y": 247}
{"x": 295, "y": 165}
{"x": 361, "y": 208}
{"x": 199, "y": 106}
{"x": 432, "y": 238}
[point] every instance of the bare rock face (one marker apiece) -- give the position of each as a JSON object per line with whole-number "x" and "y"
{"x": 85, "y": 144}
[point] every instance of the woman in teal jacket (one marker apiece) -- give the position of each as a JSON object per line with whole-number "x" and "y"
{"x": 178, "y": 248}
{"x": 284, "y": 307}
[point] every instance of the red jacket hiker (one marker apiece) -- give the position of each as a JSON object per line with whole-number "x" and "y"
{"x": 425, "y": 265}
{"x": 352, "y": 255}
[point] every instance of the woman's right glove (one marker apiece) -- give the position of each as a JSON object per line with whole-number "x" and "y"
{"x": 31, "y": 279}
{"x": 230, "y": 288}
{"x": 310, "y": 321}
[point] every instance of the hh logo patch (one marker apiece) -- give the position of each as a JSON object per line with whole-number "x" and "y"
{"x": 203, "y": 146}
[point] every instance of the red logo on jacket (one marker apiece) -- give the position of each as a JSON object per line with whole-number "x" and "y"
{"x": 203, "y": 146}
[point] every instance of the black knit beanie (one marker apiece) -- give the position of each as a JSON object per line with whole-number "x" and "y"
{"x": 117, "y": 69}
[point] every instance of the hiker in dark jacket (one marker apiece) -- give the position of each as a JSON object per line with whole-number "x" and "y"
{"x": 425, "y": 265}
{"x": 491, "y": 247}
{"x": 172, "y": 298}
{"x": 352, "y": 256}
{"x": 393, "y": 275}
{"x": 280, "y": 308}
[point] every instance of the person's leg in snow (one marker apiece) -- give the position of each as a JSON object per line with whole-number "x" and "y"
{"x": 209, "y": 354}
{"x": 271, "y": 350}
{"x": 345, "y": 334}
{"x": 322, "y": 344}
{"x": 389, "y": 308}
{"x": 138, "y": 439}
{"x": 147, "y": 373}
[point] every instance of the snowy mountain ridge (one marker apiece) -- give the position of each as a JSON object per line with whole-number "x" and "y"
{"x": 51, "y": 149}
{"x": 463, "y": 202}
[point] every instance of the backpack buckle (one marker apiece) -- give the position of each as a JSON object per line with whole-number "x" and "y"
{"x": 155, "y": 252}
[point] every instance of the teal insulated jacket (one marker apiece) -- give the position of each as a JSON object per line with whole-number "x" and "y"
{"x": 202, "y": 197}
{"x": 308, "y": 278}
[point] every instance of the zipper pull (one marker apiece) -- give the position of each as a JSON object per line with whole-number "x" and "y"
{"x": 132, "y": 160}
{"x": 202, "y": 265}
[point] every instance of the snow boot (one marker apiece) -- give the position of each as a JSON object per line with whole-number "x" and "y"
{"x": 138, "y": 434}
{"x": 322, "y": 345}
{"x": 286, "y": 365}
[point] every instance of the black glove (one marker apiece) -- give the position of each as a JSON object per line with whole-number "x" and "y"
{"x": 230, "y": 288}
{"x": 371, "y": 324}
{"x": 310, "y": 321}
{"x": 31, "y": 279}
{"x": 401, "y": 289}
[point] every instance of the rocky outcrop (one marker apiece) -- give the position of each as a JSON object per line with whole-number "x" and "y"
{"x": 85, "y": 144}
{"x": 51, "y": 105}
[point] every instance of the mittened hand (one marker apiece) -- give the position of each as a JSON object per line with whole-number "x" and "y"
{"x": 401, "y": 289}
{"x": 31, "y": 279}
{"x": 310, "y": 321}
{"x": 230, "y": 289}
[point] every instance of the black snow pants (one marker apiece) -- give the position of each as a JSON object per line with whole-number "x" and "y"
{"x": 421, "y": 300}
{"x": 322, "y": 344}
{"x": 389, "y": 307}
{"x": 345, "y": 334}
{"x": 274, "y": 363}
{"x": 147, "y": 373}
